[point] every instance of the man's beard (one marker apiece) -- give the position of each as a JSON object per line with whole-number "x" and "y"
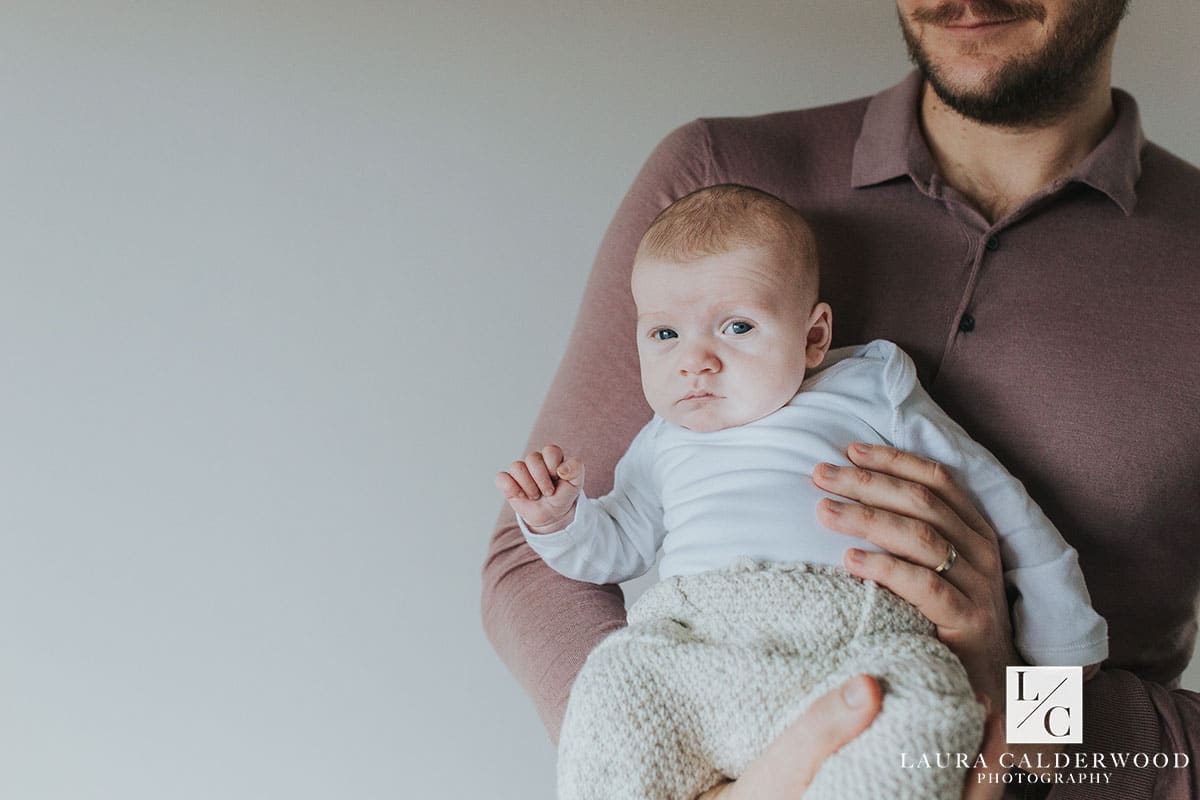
{"x": 1029, "y": 90}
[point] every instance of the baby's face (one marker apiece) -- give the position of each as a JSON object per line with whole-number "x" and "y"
{"x": 722, "y": 339}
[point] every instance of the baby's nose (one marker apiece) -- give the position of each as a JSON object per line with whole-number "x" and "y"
{"x": 698, "y": 360}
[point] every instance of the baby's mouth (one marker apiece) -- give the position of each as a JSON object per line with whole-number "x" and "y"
{"x": 698, "y": 395}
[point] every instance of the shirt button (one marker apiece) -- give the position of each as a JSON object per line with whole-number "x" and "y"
{"x": 967, "y": 323}
{"x": 993, "y": 243}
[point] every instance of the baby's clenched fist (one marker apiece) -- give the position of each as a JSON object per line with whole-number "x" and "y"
{"x": 542, "y": 488}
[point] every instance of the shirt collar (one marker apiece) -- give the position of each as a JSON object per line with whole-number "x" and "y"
{"x": 891, "y": 145}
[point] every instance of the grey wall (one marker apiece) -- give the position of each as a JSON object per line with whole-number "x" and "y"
{"x": 281, "y": 286}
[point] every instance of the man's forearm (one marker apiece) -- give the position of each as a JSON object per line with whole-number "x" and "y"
{"x": 542, "y": 624}
{"x": 1124, "y": 714}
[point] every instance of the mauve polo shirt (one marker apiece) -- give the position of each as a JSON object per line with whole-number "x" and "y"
{"x": 1062, "y": 337}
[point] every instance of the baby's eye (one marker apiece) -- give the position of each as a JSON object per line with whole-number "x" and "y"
{"x": 662, "y": 334}
{"x": 739, "y": 327}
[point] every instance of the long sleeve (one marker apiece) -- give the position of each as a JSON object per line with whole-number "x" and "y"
{"x": 1125, "y": 715}
{"x": 612, "y": 538}
{"x": 541, "y": 624}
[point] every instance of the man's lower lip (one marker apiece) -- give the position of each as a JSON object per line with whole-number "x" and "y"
{"x": 979, "y": 26}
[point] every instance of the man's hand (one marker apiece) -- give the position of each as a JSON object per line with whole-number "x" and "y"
{"x": 789, "y": 764}
{"x": 986, "y": 782}
{"x": 914, "y": 510}
{"x": 542, "y": 488}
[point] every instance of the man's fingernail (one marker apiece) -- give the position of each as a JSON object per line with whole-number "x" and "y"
{"x": 833, "y": 506}
{"x": 861, "y": 449}
{"x": 855, "y": 555}
{"x": 855, "y": 693}
{"x": 829, "y": 471}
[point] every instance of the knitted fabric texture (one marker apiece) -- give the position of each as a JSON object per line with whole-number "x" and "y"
{"x": 712, "y": 667}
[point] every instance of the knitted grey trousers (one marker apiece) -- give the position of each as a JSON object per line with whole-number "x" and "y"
{"x": 713, "y": 667}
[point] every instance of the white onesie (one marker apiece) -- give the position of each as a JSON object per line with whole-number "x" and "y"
{"x": 710, "y": 499}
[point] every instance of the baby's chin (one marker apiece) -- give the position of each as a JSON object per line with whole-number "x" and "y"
{"x": 709, "y": 427}
{"x": 711, "y": 420}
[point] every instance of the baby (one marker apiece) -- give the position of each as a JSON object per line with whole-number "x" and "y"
{"x": 754, "y": 617}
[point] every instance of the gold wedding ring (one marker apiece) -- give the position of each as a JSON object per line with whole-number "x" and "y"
{"x": 951, "y": 557}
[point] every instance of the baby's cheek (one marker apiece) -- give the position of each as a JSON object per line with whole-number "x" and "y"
{"x": 656, "y": 395}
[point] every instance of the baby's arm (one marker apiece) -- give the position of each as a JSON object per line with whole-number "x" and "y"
{"x": 1053, "y": 620}
{"x": 606, "y": 540}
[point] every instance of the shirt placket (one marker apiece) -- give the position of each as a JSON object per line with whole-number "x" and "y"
{"x": 986, "y": 240}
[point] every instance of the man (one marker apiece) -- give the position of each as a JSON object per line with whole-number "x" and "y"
{"x": 1000, "y": 216}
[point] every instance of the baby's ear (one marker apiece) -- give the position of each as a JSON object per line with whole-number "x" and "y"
{"x": 820, "y": 334}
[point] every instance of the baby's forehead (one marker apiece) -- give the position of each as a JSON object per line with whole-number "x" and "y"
{"x": 744, "y": 275}
{"x": 753, "y": 264}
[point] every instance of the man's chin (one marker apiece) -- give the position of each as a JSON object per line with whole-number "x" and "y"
{"x": 966, "y": 76}
{"x": 1022, "y": 87}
